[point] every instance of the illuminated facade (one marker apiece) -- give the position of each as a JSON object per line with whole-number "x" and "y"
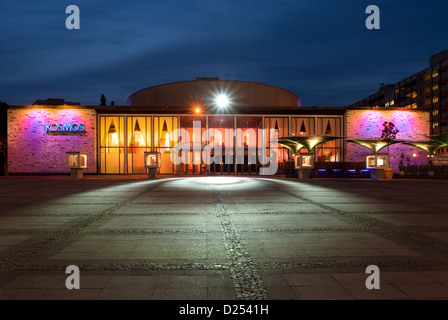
{"x": 115, "y": 138}
{"x": 122, "y": 146}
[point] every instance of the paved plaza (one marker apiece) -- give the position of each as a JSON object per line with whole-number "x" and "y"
{"x": 223, "y": 238}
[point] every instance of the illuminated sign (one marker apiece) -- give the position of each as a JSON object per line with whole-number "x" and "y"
{"x": 65, "y": 128}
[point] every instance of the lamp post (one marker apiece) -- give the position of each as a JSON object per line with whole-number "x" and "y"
{"x": 414, "y": 155}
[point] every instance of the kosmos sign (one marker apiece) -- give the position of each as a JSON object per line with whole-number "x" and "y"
{"x": 65, "y": 127}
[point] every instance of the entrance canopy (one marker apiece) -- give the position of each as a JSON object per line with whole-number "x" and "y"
{"x": 295, "y": 143}
{"x": 374, "y": 145}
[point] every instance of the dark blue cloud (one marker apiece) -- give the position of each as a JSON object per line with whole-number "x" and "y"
{"x": 320, "y": 50}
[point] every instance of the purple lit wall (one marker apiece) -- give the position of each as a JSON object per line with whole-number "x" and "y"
{"x": 32, "y": 148}
{"x": 366, "y": 124}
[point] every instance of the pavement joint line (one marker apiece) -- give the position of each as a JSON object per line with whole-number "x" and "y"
{"x": 205, "y": 213}
{"x": 9, "y": 262}
{"x": 398, "y": 232}
{"x": 48, "y": 215}
{"x": 309, "y": 263}
{"x": 212, "y": 231}
{"x": 191, "y": 231}
{"x": 248, "y": 284}
{"x": 114, "y": 214}
{"x": 69, "y": 204}
{"x": 136, "y": 266}
{"x": 137, "y": 231}
{"x": 360, "y": 263}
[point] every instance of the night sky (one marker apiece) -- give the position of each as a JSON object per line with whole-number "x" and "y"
{"x": 320, "y": 50}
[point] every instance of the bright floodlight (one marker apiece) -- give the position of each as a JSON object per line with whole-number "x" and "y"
{"x": 222, "y": 101}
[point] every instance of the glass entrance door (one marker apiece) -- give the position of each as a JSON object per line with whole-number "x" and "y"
{"x": 246, "y": 144}
{"x": 194, "y": 141}
{"x": 222, "y": 139}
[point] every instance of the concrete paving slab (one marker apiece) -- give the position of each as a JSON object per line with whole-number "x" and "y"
{"x": 222, "y": 238}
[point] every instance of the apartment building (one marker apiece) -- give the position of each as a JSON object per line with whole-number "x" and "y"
{"x": 425, "y": 90}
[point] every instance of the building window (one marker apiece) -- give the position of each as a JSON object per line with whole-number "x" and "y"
{"x": 221, "y": 139}
{"x": 302, "y": 126}
{"x": 331, "y": 150}
{"x": 435, "y": 88}
{"x": 247, "y": 137}
{"x": 192, "y": 162}
{"x": 435, "y": 112}
{"x": 435, "y": 99}
{"x": 112, "y": 144}
{"x": 435, "y": 74}
{"x": 435, "y": 125}
{"x": 414, "y": 105}
{"x": 139, "y": 141}
{"x": 412, "y": 95}
{"x": 164, "y": 140}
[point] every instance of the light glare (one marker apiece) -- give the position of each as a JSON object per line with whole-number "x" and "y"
{"x": 222, "y": 101}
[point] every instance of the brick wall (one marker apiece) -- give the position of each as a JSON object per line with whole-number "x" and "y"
{"x": 31, "y": 149}
{"x": 365, "y": 124}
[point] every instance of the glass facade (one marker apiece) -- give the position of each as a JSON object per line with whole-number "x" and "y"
{"x": 192, "y": 162}
{"x": 246, "y": 140}
{"x": 139, "y": 140}
{"x": 112, "y": 145}
{"x": 164, "y": 140}
{"x": 302, "y": 126}
{"x": 222, "y": 139}
{"x": 123, "y": 139}
{"x": 282, "y": 125}
{"x": 331, "y": 150}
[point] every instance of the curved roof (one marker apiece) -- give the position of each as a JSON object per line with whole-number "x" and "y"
{"x": 203, "y": 91}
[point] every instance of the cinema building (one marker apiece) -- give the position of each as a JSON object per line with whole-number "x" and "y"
{"x": 114, "y": 138}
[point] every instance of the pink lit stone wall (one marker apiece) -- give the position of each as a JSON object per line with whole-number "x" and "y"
{"x": 32, "y": 150}
{"x": 366, "y": 124}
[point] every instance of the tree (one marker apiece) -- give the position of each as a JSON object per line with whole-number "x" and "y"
{"x": 103, "y": 100}
{"x": 389, "y": 133}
